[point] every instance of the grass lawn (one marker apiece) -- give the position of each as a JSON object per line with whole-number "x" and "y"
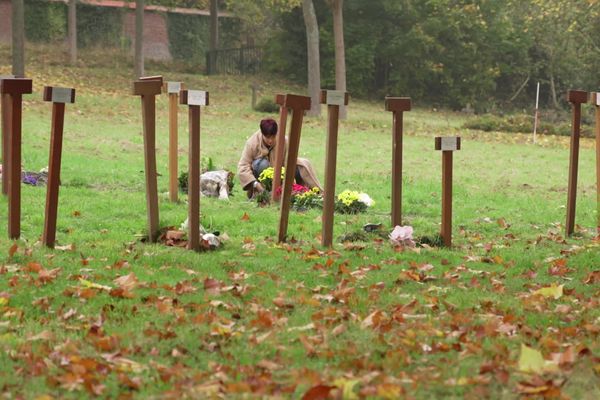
{"x": 512, "y": 310}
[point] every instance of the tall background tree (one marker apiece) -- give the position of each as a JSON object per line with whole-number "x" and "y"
{"x": 214, "y": 37}
{"x": 313, "y": 56}
{"x": 18, "y": 38}
{"x": 139, "y": 38}
{"x": 72, "y": 31}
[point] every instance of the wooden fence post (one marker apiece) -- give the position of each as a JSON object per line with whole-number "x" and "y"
{"x": 173, "y": 89}
{"x": 334, "y": 99}
{"x": 14, "y": 89}
{"x": 447, "y": 145}
{"x": 5, "y": 111}
{"x": 279, "y": 147}
{"x": 148, "y": 88}
{"x": 59, "y": 97}
{"x": 397, "y": 105}
{"x": 596, "y": 102}
{"x": 576, "y": 98}
{"x": 298, "y": 105}
{"x": 194, "y": 99}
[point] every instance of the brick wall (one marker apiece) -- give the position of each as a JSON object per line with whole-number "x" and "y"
{"x": 156, "y": 37}
{"x": 5, "y": 21}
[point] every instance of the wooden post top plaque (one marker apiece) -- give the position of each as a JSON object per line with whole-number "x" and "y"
{"x": 193, "y": 97}
{"x": 280, "y": 99}
{"x": 451, "y": 143}
{"x": 148, "y": 86}
{"x": 397, "y": 104}
{"x": 296, "y": 102}
{"x": 173, "y": 87}
{"x": 595, "y": 98}
{"x": 334, "y": 97}
{"x": 577, "y": 96}
{"x": 16, "y": 86}
{"x": 59, "y": 94}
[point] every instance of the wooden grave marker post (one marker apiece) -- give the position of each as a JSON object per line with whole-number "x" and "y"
{"x": 448, "y": 145}
{"x": 173, "y": 89}
{"x": 148, "y": 88}
{"x": 279, "y": 147}
{"x": 334, "y": 99}
{"x": 576, "y": 98}
{"x": 5, "y": 110}
{"x": 194, "y": 99}
{"x": 59, "y": 97}
{"x": 14, "y": 89}
{"x": 298, "y": 105}
{"x": 596, "y": 102}
{"x": 397, "y": 105}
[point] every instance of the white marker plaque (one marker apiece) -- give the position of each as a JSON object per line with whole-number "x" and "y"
{"x": 598, "y": 99}
{"x": 173, "y": 87}
{"x": 336, "y": 98}
{"x": 196, "y": 98}
{"x": 62, "y": 95}
{"x": 449, "y": 144}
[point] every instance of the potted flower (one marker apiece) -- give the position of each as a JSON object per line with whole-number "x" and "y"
{"x": 352, "y": 202}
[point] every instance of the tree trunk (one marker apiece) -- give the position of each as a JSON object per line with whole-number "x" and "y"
{"x": 314, "y": 72}
{"x": 72, "y": 31}
{"x": 18, "y": 38}
{"x": 340, "y": 51}
{"x": 553, "y": 91}
{"x": 139, "y": 38}
{"x": 214, "y": 37}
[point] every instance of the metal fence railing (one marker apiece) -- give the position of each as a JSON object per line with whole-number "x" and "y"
{"x": 242, "y": 61}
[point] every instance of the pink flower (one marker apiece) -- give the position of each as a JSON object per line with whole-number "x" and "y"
{"x": 299, "y": 189}
{"x": 296, "y": 190}
{"x": 402, "y": 236}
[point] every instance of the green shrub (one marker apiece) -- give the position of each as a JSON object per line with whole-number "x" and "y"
{"x": 45, "y": 22}
{"x": 188, "y": 37}
{"x": 267, "y": 105}
{"x": 523, "y": 123}
{"x": 99, "y": 26}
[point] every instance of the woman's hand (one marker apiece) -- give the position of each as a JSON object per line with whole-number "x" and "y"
{"x": 258, "y": 187}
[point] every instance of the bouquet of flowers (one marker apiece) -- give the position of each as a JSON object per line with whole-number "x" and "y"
{"x": 352, "y": 202}
{"x": 308, "y": 198}
{"x": 266, "y": 177}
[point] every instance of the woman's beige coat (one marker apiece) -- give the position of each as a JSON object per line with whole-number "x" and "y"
{"x": 255, "y": 148}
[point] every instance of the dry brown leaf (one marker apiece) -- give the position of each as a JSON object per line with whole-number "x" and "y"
{"x": 13, "y": 249}
{"x": 319, "y": 392}
{"x": 127, "y": 282}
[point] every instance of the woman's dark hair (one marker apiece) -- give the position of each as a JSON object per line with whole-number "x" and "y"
{"x": 268, "y": 127}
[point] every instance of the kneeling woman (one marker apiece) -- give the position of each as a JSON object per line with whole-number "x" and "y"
{"x": 259, "y": 154}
